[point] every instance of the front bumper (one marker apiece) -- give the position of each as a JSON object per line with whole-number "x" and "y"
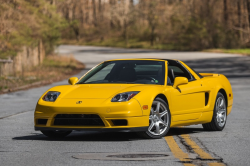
{"x": 130, "y": 111}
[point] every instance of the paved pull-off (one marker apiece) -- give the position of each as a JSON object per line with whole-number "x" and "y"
{"x": 21, "y": 145}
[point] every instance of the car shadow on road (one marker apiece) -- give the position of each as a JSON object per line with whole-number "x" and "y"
{"x": 85, "y": 136}
{"x": 184, "y": 130}
{"x": 105, "y": 136}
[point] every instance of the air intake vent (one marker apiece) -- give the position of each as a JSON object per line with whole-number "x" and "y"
{"x": 206, "y": 98}
{"x": 120, "y": 122}
{"x": 42, "y": 121}
{"x": 78, "y": 120}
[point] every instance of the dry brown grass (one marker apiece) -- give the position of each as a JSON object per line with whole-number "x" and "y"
{"x": 54, "y": 68}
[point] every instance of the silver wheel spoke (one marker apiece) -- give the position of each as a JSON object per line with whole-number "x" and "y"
{"x": 151, "y": 126}
{"x": 223, "y": 110}
{"x": 221, "y": 102}
{"x": 222, "y": 119}
{"x": 163, "y": 113}
{"x": 157, "y": 128}
{"x": 219, "y": 123}
{"x": 162, "y": 122}
{"x": 217, "y": 104}
{"x": 218, "y": 112}
{"x": 157, "y": 110}
{"x": 218, "y": 119}
{"x": 152, "y": 111}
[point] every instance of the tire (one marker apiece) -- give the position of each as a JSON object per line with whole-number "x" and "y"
{"x": 159, "y": 120}
{"x": 56, "y": 133}
{"x": 219, "y": 115}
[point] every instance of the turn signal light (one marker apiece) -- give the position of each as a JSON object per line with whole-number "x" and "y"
{"x": 145, "y": 107}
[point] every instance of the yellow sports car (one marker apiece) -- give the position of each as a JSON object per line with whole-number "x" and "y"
{"x": 147, "y": 96}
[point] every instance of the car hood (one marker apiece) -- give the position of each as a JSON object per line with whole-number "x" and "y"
{"x": 95, "y": 91}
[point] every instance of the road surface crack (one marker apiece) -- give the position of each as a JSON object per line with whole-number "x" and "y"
{"x": 14, "y": 114}
{"x": 199, "y": 160}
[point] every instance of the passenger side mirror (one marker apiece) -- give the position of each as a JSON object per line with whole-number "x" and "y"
{"x": 180, "y": 81}
{"x": 73, "y": 80}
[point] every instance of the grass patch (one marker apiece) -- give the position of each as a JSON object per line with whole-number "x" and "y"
{"x": 60, "y": 62}
{"x": 242, "y": 51}
{"x": 53, "y": 68}
{"x": 132, "y": 43}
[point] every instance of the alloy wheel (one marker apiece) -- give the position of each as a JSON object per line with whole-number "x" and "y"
{"x": 158, "y": 119}
{"x": 221, "y": 111}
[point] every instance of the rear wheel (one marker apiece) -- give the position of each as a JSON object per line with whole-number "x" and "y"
{"x": 56, "y": 133}
{"x": 159, "y": 120}
{"x": 219, "y": 116}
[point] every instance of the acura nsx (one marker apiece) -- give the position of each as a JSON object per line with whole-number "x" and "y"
{"x": 147, "y": 96}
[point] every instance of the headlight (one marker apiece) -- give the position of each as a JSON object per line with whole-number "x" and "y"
{"x": 124, "y": 96}
{"x": 51, "y": 96}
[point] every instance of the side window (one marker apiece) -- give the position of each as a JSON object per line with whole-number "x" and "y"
{"x": 180, "y": 71}
{"x": 177, "y": 70}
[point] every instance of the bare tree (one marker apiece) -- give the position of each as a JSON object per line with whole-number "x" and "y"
{"x": 225, "y": 11}
{"x": 208, "y": 23}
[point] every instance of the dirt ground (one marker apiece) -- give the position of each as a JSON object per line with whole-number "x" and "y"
{"x": 54, "y": 68}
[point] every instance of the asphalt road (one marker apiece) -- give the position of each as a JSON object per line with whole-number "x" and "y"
{"x": 21, "y": 145}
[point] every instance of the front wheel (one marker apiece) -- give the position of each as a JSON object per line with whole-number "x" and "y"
{"x": 56, "y": 133}
{"x": 159, "y": 120}
{"x": 219, "y": 116}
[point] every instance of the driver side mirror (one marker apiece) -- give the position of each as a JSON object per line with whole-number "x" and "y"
{"x": 73, "y": 80}
{"x": 180, "y": 81}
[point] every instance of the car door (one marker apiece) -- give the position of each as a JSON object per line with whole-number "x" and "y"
{"x": 188, "y": 100}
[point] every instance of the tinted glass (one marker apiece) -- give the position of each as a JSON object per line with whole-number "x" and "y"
{"x": 179, "y": 71}
{"x": 128, "y": 71}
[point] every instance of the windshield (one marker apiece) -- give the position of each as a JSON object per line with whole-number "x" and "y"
{"x": 128, "y": 72}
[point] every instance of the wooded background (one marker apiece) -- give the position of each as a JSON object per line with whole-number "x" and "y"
{"x": 180, "y": 24}
{"x": 172, "y": 24}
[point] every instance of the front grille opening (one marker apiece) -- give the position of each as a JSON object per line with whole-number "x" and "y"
{"x": 120, "y": 122}
{"x": 206, "y": 98}
{"x": 42, "y": 121}
{"x": 78, "y": 120}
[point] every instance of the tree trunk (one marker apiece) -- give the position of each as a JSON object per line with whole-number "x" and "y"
{"x": 76, "y": 31}
{"x": 248, "y": 11}
{"x": 152, "y": 36}
{"x": 100, "y": 10}
{"x": 225, "y": 12}
{"x": 94, "y": 13}
{"x": 111, "y": 5}
{"x": 239, "y": 19}
{"x": 53, "y": 2}
{"x": 126, "y": 32}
